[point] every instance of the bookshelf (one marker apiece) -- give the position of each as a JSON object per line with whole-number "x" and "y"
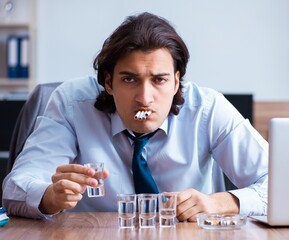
{"x": 17, "y": 20}
{"x": 17, "y": 17}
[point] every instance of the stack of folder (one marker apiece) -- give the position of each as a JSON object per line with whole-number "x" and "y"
{"x": 17, "y": 56}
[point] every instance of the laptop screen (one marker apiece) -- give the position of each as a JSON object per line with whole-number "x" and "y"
{"x": 278, "y": 187}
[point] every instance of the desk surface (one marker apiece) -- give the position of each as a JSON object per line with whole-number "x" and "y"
{"x": 104, "y": 226}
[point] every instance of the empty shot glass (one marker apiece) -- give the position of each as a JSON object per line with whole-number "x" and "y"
{"x": 126, "y": 204}
{"x": 167, "y": 203}
{"x": 99, "y": 190}
{"x": 147, "y": 207}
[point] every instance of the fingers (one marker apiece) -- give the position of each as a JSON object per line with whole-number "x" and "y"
{"x": 69, "y": 183}
{"x": 68, "y": 193}
{"x": 82, "y": 175}
{"x": 80, "y": 179}
{"x": 57, "y": 198}
{"x": 190, "y": 203}
{"x": 68, "y": 201}
{"x": 75, "y": 168}
{"x": 68, "y": 186}
{"x": 105, "y": 173}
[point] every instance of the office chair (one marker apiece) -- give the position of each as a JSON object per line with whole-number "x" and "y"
{"x": 243, "y": 103}
{"x": 26, "y": 119}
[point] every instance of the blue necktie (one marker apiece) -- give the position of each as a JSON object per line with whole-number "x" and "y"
{"x": 143, "y": 180}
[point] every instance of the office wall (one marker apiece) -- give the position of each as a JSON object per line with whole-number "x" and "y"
{"x": 236, "y": 46}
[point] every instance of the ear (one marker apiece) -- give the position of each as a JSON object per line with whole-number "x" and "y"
{"x": 177, "y": 81}
{"x": 108, "y": 83}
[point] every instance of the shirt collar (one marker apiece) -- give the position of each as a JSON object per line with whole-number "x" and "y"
{"x": 118, "y": 126}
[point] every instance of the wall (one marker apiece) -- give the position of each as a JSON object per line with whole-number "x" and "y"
{"x": 265, "y": 111}
{"x": 239, "y": 46}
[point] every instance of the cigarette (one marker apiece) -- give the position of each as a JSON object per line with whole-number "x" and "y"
{"x": 142, "y": 115}
{"x": 147, "y": 113}
{"x": 137, "y": 115}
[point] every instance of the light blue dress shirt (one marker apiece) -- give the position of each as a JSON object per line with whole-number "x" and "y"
{"x": 188, "y": 151}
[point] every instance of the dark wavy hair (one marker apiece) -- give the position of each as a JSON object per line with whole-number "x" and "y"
{"x": 145, "y": 32}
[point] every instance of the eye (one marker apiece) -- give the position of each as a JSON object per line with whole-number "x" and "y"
{"x": 128, "y": 79}
{"x": 160, "y": 80}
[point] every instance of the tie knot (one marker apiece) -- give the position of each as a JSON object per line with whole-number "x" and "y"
{"x": 140, "y": 141}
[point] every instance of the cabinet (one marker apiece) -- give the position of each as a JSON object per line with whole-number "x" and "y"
{"x": 17, "y": 19}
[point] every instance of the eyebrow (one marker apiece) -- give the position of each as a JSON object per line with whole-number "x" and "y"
{"x": 136, "y": 75}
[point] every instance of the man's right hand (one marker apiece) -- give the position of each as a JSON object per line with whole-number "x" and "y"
{"x": 68, "y": 184}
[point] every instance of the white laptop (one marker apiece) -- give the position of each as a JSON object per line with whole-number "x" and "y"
{"x": 278, "y": 174}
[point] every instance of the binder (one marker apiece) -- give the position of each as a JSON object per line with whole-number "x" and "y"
{"x": 12, "y": 57}
{"x": 18, "y": 56}
{"x": 24, "y": 58}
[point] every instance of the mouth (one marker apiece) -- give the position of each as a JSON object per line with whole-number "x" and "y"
{"x": 142, "y": 115}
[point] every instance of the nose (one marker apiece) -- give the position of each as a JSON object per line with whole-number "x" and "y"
{"x": 144, "y": 95}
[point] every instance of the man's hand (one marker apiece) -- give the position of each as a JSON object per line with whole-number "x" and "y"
{"x": 191, "y": 202}
{"x": 68, "y": 184}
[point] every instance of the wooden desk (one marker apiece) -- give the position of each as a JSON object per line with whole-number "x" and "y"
{"x": 104, "y": 226}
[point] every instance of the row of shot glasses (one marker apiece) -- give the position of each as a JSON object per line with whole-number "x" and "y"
{"x": 148, "y": 205}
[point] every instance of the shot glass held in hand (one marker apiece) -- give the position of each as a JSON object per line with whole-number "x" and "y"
{"x": 126, "y": 210}
{"x": 167, "y": 209}
{"x": 99, "y": 190}
{"x": 147, "y": 204}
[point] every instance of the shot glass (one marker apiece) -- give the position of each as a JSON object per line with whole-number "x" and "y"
{"x": 147, "y": 204}
{"x": 167, "y": 203}
{"x": 99, "y": 190}
{"x": 126, "y": 210}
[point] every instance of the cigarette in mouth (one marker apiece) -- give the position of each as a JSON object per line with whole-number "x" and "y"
{"x": 142, "y": 115}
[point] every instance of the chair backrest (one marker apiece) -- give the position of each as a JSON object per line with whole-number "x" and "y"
{"x": 243, "y": 103}
{"x": 24, "y": 126}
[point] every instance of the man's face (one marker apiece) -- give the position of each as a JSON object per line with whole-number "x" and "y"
{"x": 143, "y": 81}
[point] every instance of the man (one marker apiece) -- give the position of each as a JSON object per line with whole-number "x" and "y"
{"x": 198, "y": 132}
